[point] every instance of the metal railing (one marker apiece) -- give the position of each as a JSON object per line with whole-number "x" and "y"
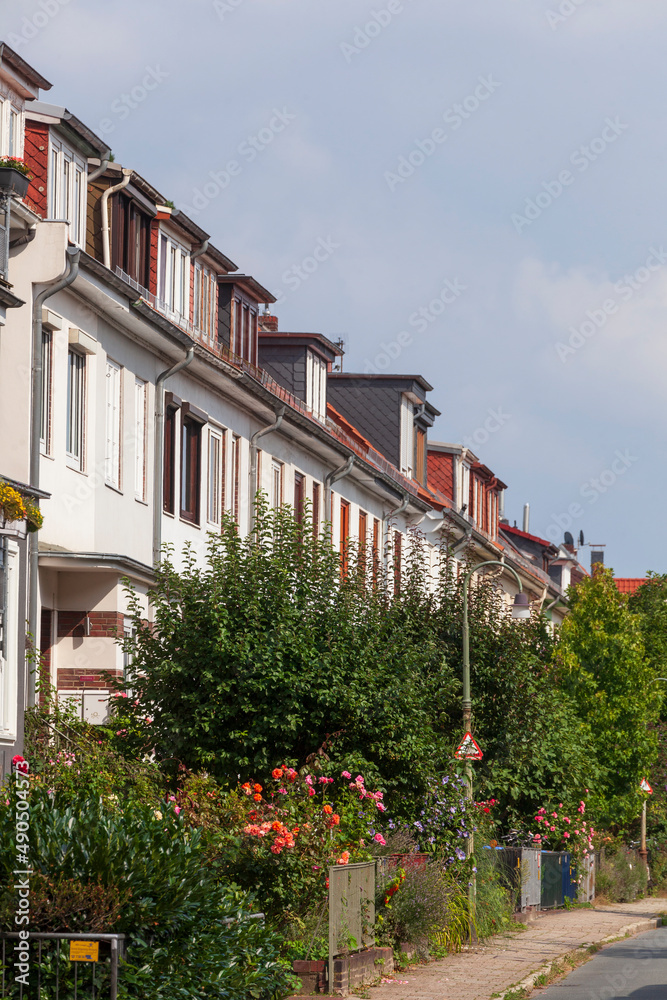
{"x": 52, "y": 975}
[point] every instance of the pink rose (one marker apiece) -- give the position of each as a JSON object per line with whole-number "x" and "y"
{"x": 381, "y": 807}
{"x": 555, "y": 815}
{"x": 311, "y": 791}
{"x": 553, "y": 829}
{"x": 379, "y": 839}
{"x": 177, "y": 809}
{"x": 566, "y": 819}
{"x": 538, "y": 819}
{"x": 309, "y": 780}
{"x": 566, "y": 835}
{"x": 345, "y": 774}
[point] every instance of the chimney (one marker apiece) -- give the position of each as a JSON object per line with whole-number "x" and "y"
{"x": 597, "y": 557}
{"x": 526, "y": 517}
{"x": 268, "y": 323}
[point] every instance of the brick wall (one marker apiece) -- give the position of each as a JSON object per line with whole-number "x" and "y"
{"x": 152, "y": 266}
{"x": 441, "y": 472}
{"x": 45, "y": 640}
{"x": 103, "y": 624}
{"x": 36, "y": 155}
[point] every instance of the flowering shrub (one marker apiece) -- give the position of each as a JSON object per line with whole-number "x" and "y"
{"x": 279, "y": 837}
{"x": 14, "y": 506}
{"x": 445, "y": 821}
{"x": 564, "y": 829}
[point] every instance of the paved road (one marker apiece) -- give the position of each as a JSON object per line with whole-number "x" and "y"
{"x": 634, "y": 969}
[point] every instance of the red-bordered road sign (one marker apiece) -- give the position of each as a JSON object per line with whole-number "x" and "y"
{"x": 468, "y": 749}
{"x": 645, "y": 787}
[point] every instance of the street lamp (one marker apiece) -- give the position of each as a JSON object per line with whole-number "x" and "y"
{"x": 520, "y": 609}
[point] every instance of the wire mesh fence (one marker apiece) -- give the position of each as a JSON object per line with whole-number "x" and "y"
{"x": 60, "y": 966}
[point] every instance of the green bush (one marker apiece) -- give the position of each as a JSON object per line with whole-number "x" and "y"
{"x": 621, "y": 876}
{"x": 150, "y": 877}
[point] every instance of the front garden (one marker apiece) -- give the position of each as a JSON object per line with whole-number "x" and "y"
{"x": 279, "y": 720}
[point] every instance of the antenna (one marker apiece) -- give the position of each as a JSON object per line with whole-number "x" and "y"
{"x": 581, "y": 538}
{"x": 568, "y": 539}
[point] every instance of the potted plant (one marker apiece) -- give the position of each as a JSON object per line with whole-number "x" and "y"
{"x": 16, "y": 508}
{"x": 14, "y": 176}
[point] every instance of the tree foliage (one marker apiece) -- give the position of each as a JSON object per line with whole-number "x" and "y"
{"x": 603, "y": 665}
{"x": 259, "y": 656}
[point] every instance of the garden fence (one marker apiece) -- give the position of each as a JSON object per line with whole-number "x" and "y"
{"x": 53, "y": 975}
{"x": 351, "y": 909}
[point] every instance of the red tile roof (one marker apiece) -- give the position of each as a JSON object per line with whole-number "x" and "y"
{"x": 628, "y": 584}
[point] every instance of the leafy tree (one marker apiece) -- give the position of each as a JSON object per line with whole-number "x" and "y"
{"x": 264, "y": 653}
{"x": 604, "y": 665}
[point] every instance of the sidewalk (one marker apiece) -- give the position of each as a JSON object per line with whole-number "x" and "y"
{"x": 503, "y": 961}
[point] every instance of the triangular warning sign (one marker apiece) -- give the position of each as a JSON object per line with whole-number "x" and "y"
{"x": 468, "y": 749}
{"x": 645, "y": 787}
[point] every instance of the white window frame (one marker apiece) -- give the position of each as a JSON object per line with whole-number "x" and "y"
{"x": 47, "y": 374}
{"x": 205, "y": 286}
{"x": 215, "y": 475}
{"x": 407, "y": 436}
{"x": 316, "y": 385}
{"x": 9, "y": 649}
{"x": 76, "y": 415}
{"x": 464, "y": 488}
{"x": 173, "y": 275}
{"x": 277, "y": 482}
{"x": 113, "y": 413}
{"x": 12, "y": 128}
{"x": 140, "y": 412}
{"x": 68, "y": 183}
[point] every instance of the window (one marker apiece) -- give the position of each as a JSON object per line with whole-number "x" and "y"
{"x": 174, "y": 275}
{"x": 316, "y": 385}
{"x": 236, "y": 477}
{"x": 299, "y": 496}
{"x": 112, "y": 453}
{"x": 407, "y": 436}
{"x": 420, "y": 456}
{"x": 11, "y": 129}
{"x": 76, "y": 386}
{"x": 190, "y": 469}
{"x": 363, "y": 536}
{"x": 47, "y": 356}
{"x": 237, "y": 345}
{"x": 317, "y": 489}
{"x": 140, "y": 393}
{"x": 130, "y": 238}
{"x": 398, "y": 542}
{"x": 204, "y": 301}
{"x": 244, "y": 333}
{"x": 216, "y": 475}
{"x": 376, "y": 549}
{"x": 15, "y": 144}
{"x": 276, "y": 484}
{"x": 67, "y": 190}
{"x": 464, "y": 494}
{"x": 168, "y": 486}
{"x": 344, "y": 536}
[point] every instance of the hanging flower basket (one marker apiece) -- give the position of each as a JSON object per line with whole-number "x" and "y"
{"x": 18, "y": 513}
{"x": 14, "y": 176}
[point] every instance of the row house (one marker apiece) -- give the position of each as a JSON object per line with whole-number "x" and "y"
{"x": 145, "y": 388}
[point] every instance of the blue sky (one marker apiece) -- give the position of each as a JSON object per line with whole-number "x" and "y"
{"x": 540, "y": 199}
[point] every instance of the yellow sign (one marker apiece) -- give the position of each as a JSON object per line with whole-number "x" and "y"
{"x": 84, "y": 951}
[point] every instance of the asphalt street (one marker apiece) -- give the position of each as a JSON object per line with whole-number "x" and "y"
{"x": 634, "y": 969}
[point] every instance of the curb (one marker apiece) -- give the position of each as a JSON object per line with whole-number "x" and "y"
{"x": 628, "y": 930}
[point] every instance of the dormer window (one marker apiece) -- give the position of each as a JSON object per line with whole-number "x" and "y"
{"x": 244, "y": 330}
{"x": 130, "y": 238}
{"x": 174, "y": 273}
{"x": 316, "y": 385}
{"x": 407, "y": 436}
{"x": 67, "y": 189}
{"x": 11, "y": 129}
{"x": 204, "y": 301}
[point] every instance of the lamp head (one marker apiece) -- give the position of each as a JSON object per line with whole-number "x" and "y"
{"x": 521, "y": 606}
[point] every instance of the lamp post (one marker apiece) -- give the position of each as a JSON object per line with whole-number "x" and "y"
{"x": 520, "y": 609}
